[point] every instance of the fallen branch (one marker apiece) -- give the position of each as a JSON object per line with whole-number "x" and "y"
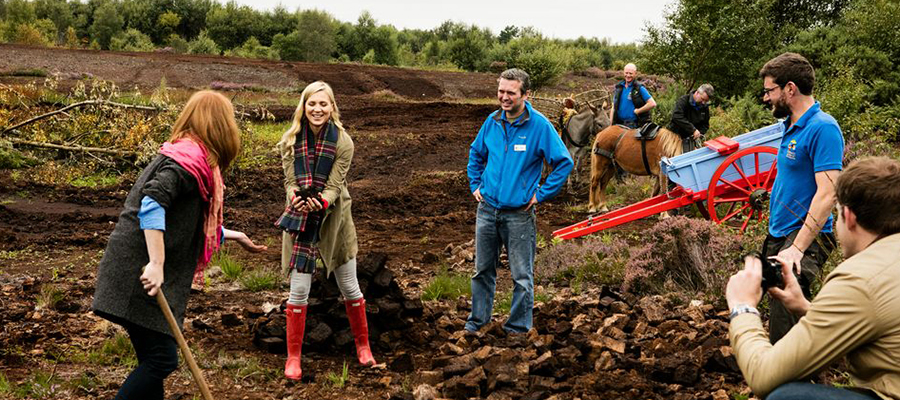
{"x": 121, "y": 153}
{"x": 77, "y": 105}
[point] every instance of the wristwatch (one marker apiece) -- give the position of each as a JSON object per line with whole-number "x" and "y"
{"x": 742, "y": 309}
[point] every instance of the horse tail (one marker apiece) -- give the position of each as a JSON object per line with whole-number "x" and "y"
{"x": 670, "y": 143}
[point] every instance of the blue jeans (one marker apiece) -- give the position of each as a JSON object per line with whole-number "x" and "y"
{"x": 157, "y": 356}
{"x": 811, "y": 391}
{"x": 515, "y": 230}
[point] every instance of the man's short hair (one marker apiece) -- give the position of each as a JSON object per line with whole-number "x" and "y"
{"x": 870, "y": 187}
{"x": 515, "y": 74}
{"x": 791, "y": 67}
{"x": 708, "y": 89}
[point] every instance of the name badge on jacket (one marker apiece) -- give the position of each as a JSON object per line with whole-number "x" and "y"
{"x": 519, "y": 147}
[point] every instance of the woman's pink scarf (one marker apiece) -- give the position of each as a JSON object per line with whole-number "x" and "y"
{"x": 191, "y": 155}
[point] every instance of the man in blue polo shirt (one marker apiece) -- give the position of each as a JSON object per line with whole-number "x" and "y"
{"x": 632, "y": 102}
{"x": 809, "y": 161}
{"x": 505, "y": 162}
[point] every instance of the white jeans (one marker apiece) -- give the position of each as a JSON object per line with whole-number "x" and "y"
{"x": 346, "y": 281}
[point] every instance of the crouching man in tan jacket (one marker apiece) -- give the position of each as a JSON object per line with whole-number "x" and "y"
{"x": 856, "y": 313}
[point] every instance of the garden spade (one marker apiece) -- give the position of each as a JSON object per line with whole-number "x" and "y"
{"x": 185, "y": 351}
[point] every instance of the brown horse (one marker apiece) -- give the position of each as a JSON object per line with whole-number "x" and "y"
{"x": 620, "y": 142}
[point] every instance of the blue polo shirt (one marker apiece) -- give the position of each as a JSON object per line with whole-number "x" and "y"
{"x": 625, "y": 108}
{"x": 814, "y": 144}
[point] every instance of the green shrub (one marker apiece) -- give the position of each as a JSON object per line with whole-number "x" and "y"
{"x": 447, "y": 285}
{"x": 684, "y": 255}
{"x": 260, "y": 279}
{"x": 131, "y": 40}
{"x": 544, "y": 65}
{"x": 30, "y": 35}
{"x": 253, "y": 49}
{"x": 177, "y": 43}
{"x": 596, "y": 260}
{"x": 231, "y": 269}
{"x": 665, "y": 103}
{"x": 203, "y": 44}
{"x": 738, "y": 115}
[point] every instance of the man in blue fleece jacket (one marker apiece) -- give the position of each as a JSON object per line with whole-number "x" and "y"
{"x": 505, "y": 162}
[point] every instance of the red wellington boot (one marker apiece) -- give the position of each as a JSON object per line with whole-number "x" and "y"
{"x": 296, "y": 324}
{"x": 356, "y": 312}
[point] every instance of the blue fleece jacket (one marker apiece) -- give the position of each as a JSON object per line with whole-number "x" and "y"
{"x": 505, "y": 160}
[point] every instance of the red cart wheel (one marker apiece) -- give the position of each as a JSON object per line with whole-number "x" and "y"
{"x": 740, "y": 187}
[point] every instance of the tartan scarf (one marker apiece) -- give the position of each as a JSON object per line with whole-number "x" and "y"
{"x": 191, "y": 155}
{"x": 313, "y": 159}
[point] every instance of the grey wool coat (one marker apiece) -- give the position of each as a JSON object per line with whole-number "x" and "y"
{"x": 337, "y": 234}
{"x": 119, "y": 295}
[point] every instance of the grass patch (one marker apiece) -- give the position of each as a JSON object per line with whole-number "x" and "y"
{"x": 12, "y": 254}
{"x": 387, "y": 95}
{"x": 95, "y": 181}
{"x": 86, "y": 382}
{"x": 36, "y": 72}
{"x": 268, "y": 132}
{"x": 338, "y": 381}
{"x": 231, "y": 269}
{"x": 50, "y": 296}
{"x": 243, "y": 368}
{"x": 41, "y": 385}
{"x": 6, "y": 387}
{"x": 116, "y": 350}
{"x": 261, "y": 279}
{"x": 447, "y": 285}
{"x": 503, "y": 302}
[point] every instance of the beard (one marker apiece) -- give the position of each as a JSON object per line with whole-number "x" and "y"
{"x": 780, "y": 109}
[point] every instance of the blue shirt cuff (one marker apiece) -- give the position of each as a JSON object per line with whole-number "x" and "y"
{"x": 152, "y": 215}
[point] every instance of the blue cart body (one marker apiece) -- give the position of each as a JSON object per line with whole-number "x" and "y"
{"x": 695, "y": 169}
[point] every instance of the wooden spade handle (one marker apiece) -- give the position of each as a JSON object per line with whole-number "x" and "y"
{"x": 185, "y": 351}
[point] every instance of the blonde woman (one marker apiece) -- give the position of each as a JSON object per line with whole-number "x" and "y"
{"x": 315, "y": 154}
{"x": 168, "y": 231}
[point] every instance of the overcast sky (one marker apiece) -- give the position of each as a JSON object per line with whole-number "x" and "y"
{"x": 620, "y": 21}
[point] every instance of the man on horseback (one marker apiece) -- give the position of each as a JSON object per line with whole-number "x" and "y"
{"x": 504, "y": 170}
{"x": 690, "y": 117}
{"x": 632, "y": 102}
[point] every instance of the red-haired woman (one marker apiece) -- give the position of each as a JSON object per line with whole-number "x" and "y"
{"x": 169, "y": 229}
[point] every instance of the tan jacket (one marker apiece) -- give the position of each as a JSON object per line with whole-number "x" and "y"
{"x": 337, "y": 234}
{"x": 856, "y": 314}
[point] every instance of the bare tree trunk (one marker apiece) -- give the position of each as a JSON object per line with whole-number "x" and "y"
{"x": 121, "y": 153}
{"x": 77, "y": 105}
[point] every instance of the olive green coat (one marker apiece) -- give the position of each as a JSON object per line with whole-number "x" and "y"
{"x": 337, "y": 234}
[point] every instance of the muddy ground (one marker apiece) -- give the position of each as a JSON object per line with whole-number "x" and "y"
{"x": 410, "y": 201}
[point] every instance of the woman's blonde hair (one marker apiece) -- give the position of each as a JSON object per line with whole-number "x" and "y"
{"x": 290, "y": 137}
{"x": 208, "y": 117}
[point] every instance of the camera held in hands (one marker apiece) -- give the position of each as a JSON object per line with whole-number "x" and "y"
{"x": 771, "y": 272}
{"x": 772, "y": 275}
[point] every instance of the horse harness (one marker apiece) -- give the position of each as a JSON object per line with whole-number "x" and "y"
{"x": 564, "y": 127}
{"x": 644, "y": 134}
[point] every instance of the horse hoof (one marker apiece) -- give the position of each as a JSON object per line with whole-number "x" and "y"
{"x": 605, "y": 209}
{"x": 664, "y": 215}
{"x": 592, "y": 210}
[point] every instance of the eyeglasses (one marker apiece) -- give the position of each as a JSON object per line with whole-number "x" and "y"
{"x": 769, "y": 90}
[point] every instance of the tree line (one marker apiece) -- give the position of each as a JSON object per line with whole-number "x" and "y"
{"x": 854, "y": 46}
{"x": 209, "y": 27}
